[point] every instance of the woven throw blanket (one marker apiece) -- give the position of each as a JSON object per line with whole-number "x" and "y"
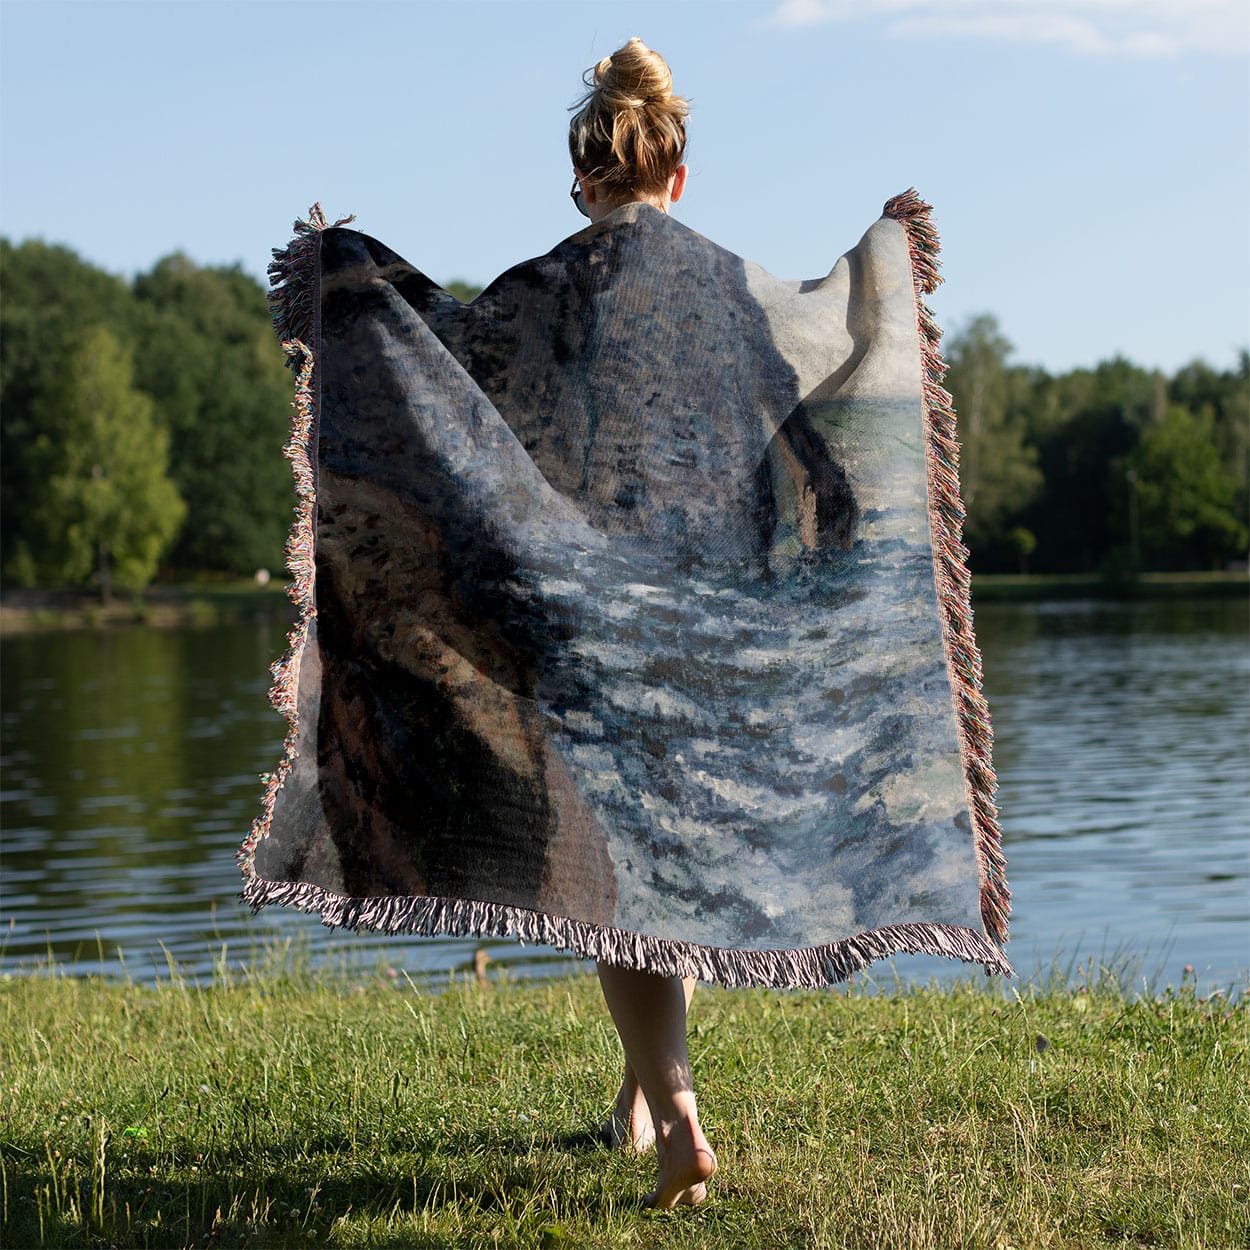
{"x": 634, "y": 618}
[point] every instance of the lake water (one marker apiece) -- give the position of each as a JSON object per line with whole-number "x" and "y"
{"x": 131, "y": 759}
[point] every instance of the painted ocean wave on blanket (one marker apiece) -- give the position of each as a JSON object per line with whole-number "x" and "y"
{"x": 730, "y": 820}
{"x": 625, "y": 612}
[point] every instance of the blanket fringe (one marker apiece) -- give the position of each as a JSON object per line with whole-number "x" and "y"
{"x": 294, "y": 303}
{"x": 808, "y": 968}
{"x": 954, "y": 583}
{"x": 294, "y": 278}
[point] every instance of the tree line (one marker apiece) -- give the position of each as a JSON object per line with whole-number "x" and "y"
{"x": 142, "y": 422}
{"x": 1113, "y": 470}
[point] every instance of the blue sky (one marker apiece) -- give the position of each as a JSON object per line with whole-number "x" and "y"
{"x": 1089, "y": 160}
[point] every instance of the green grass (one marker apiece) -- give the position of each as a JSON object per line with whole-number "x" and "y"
{"x": 288, "y": 1109}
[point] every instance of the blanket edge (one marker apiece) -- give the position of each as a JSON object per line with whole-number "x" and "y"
{"x": 294, "y": 303}
{"x": 950, "y": 568}
{"x": 811, "y": 967}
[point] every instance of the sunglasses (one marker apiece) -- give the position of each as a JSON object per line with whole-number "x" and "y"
{"x": 576, "y": 196}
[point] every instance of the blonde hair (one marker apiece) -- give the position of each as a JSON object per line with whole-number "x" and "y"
{"x": 629, "y": 132}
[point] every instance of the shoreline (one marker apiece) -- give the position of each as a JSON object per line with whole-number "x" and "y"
{"x": 172, "y": 606}
{"x": 1024, "y": 587}
{"x": 205, "y": 604}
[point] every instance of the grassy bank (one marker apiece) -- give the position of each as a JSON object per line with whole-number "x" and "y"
{"x": 284, "y": 1110}
{"x": 190, "y": 603}
{"x": 214, "y": 603}
{"x": 1001, "y": 587}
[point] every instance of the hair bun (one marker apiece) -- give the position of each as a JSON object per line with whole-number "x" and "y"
{"x": 629, "y": 131}
{"x": 633, "y": 76}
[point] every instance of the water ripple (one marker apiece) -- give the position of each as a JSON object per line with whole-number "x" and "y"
{"x": 131, "y": 764}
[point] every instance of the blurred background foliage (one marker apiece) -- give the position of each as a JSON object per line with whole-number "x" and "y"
{"x": 1113, "y": 470}
{"x": 142, "y": 423}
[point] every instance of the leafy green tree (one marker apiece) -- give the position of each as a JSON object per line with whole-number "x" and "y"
{"x": 464, "y": 291}
{"x": 1185, "y": 495}
{"x": 208, "y": 357}
{"x": 105, "y": 506}
{"x": 997, "y": 466}
{"x": 1085, "y": 424}
{"x": 51, "y": 297}
{"x": 1222, "y": 398}
{"x": 1024, "y": 543}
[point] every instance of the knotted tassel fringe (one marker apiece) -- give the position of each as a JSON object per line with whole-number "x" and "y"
{"x": 807, "y": 968}
{"x": 950, "y": 565}
{"x": 294, "y": 303}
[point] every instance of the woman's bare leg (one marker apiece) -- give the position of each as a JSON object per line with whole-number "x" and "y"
{"x": 650, "y": 1016}
{"x": 629, "y": 1124}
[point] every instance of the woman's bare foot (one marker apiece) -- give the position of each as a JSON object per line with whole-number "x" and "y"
{"x": 686, "y": 1165}
{"x": 629, "y": 1125}
{"x": 649, "y": 1011}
